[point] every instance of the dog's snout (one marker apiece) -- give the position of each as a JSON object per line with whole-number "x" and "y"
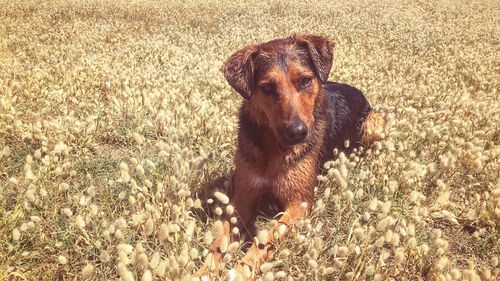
{"x": 297, "y": 131}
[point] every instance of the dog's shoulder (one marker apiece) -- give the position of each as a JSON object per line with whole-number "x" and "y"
{"x": 344, "y": 95}
{"x": 347, "y": 107}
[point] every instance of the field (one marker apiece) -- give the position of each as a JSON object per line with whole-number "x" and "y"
{"x": 114, "y": 115}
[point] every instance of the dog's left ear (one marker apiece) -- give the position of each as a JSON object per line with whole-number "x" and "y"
{"x": 321, "y": 52}
{"x": 238, "y": 70}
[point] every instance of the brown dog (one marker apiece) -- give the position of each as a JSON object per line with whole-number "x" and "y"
{"x": 290, "y": 122}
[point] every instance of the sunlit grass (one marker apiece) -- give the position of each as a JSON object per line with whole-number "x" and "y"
{"x": 113, "y": 115}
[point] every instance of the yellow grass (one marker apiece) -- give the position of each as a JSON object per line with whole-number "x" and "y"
{"x": 113, "y": 114}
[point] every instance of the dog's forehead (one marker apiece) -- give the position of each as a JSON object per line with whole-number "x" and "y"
{"x": 277, "y": 49}
{"x": 279, "y": 53}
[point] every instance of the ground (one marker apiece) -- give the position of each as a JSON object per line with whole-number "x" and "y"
{"x": 114, "y": 114}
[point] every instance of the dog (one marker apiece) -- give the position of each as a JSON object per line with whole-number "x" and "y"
{"x": 290, "y": 122}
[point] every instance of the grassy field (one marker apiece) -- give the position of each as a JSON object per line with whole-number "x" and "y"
{"x": 113, "y": 114}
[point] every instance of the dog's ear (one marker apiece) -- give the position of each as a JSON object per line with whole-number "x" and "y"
{"x": 321, "y": 53}
{"x": 238, "y": 70}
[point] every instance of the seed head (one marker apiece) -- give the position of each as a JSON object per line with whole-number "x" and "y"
{"x": 263, "y": 237}
{"x": 125, "y": 274}
{"x": 16, "y": 234}
{"x": 224, "y": 243}
{"x": 87, "y": 271}
{"x": 342, "y": 251}
{"x": 208, "y": 238}
{"x": 266, "y": 267}
{"x": 221, "y": 197}
{"x": 233, "y": 247}
{"x": 62, "y": 260}
{"x": 230, "y": 210}
{"x": 155, "y": 260}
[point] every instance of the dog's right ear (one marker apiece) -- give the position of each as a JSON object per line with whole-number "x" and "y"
{"x": 321, "y": 52}
{"x": 238, "y": 70}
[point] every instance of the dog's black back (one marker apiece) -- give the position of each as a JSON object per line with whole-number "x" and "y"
{"x": 346, "y": 110}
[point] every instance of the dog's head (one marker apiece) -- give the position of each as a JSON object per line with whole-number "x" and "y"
{"x": 282, "y": 80}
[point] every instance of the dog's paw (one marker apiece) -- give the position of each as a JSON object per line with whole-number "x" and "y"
{"x": 374, "y": 127}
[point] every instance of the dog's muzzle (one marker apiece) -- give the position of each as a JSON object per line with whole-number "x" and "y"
{"x": 296, "y": 132}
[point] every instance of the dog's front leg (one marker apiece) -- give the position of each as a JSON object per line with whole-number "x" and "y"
{"x": 243, "y": 201}
{"x": 261, "y": 251}
{"x": 213, "y": 264}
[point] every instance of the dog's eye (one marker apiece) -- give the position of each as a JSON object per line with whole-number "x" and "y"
{"x": 267, "y": 88}
{"x": 305, "y": 82}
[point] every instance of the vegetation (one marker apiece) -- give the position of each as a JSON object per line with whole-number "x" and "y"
{"x": 113, "y": 115}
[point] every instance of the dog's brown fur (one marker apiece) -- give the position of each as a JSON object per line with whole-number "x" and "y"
{"x": 283, "y": 82}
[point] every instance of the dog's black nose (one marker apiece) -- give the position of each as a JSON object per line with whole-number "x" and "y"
{"x": 297, "y": 131}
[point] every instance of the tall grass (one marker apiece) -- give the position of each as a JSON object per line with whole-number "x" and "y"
{"x": 113, "y": 115}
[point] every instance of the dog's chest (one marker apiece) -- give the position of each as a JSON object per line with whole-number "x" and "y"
{"x": 283, "y": 179}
